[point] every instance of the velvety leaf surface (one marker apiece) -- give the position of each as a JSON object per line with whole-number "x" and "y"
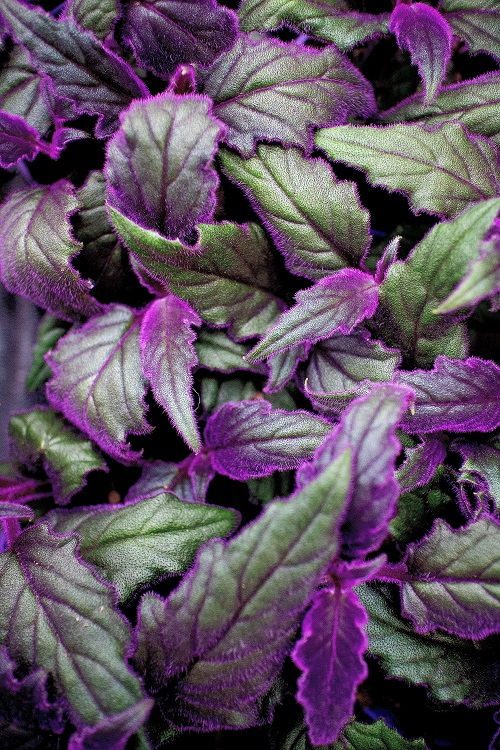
{"x": 481, "y": 281}
{"x": 79, "y": 67}
{"x": 368, "y": 428}
{"x": 188, "y": 480}
{"x": 22, "y": 91}
{"x": 50, "y": 331}
{"x": 158, "y": 163}
{"x": 377, "y": 736}
{"x": 454, "y": 669}
{"x": 114, "y": 733}
{"x": 330, "y": 20}
{"x": 216, "y": 351}
{"x": 40, "y": 436}
{"x": 334, "y": 303}
{"x": 476, "y": 23}
{"x": 456, "y": 395}
{"x": 250, "y": 439}
{"x": 164, "y": 33}
{"x": 168, "y": 355}
{"x": 18, "y": 140}
{"x": 482, "y": 461}
{"x": 134, "y": 544}
{"x": 98, "y": 16}
{"x": 55, "y": 613}
{"x": 421, "y": 463}
{"x": 268, "y": 90}
{"x": 427, "y": 36}
{"x": 330, "y": 655}
{"x": 442, "y": 171}
{"x": 316, "y": 221}
{"x": 228, "y": 277}
{"x": 413, "y": 288}
{"x": 282, "y": 367}
{"x": 474, "y": 103}
{"x": 453, "y": 580}
{"x": 230, "y": 620}
{"x": 98, "y": 382}
{"x": 15, "y": 510}
{"x": 36, "y": 247}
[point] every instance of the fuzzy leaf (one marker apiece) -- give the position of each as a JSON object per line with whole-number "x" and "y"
{"x": 316, "y": 221}
{"x": 432, "y": 270}
{"x": 481, "y": 281}
{"x": 50, "y": 331}
{"x": 330, "y": 655}
{"x": 55, "y": 613}
{"x": 23, "y": 91}
{"x": 98, "y": 382}
{"x": 98, "y": 16}
{"x": 474, "y": 103}
{"x": 334, "y": 303}
{"x": 230, "y": 621}
{"x": 476, "y": 23}
{"x": 482, "y": 460}
{"x": 442, "y": 171}
{"x": 135, "y": 544}
{"x": 456, "y": 395}
{"x": 188, "y": 480}
{"x": 168, "y": 356}
{"x": 454, "y": 669}
{"x": 421, "y": 463}
{"x": 114, "y": 733}
{"x": 216, "y": 351}
{"x": 282, "y": 367}
{"x": 41, "y": 436}
{"x": 249, "y": 439}
{"x": 377, "y": 736}
{"x": 36, "y": 248}
{"x": 368, "y": 428}
{"x": 18, "y": 140}
{"x": 228, "y": 277}
{"x": 164, "y": 33}
{"x": 330, "y": 20}
{"x": 79, "y": 67}
{"x": 267, "y": 90}
{"x": 427, "y": 36}
{"x": 453, "y": 580}
{"x": 158, "y": 163}
{"x": 15, "y": 510}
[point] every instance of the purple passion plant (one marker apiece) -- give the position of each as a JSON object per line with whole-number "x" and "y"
{"x": 265, "y": 243}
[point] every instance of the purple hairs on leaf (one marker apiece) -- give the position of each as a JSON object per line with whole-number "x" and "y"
{"x": 427, "y": 36}
{"x": 250, "y": 439}
{"x": 15, "y": 510}
{"x": 459, "y": 395}
{"x": 368, "y": 428}
{"x": 18, "y": 140}
{"x": 168, "y": 356}
{"x": 112, "y": 733}
{"x": 421, "y": 463}
{"x": 163, "y": 33}
{"x": 330, "y": 655}
{"x": 188, "y": 479}
{"x": 159, "y": 169}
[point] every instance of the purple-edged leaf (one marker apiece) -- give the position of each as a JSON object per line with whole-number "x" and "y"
{"x": 56, "y": 614}
{"x": 482, "y": 279}
{"x": 453, "y": 580}
{"x": 427, "y": 36}
{"x": 49, "y": 332}
{"x": 282, "y": 367}
{"x": 483, "y": 462}
{"x": 334, "y": 303}
{"x": 36, "y": 248}
{"x": 23, "y": 91}
{"x": 15, "y": 510}
{"x": 98, "y": 382}
{"x": 230, "y": 621}
{"x": 114, "y": 733}
{"x": 474, "y": 103}
{"x": 330, "y": 655}
{"x": 316, "y": 221}
{"x": 442, "y": 171}
{"x": 216, "y": 392}
{"x": 98, "y": 16}
{"x": 164, "y": 33}
{"x": 267, "y": 90}
{"x": 228, "y": 277}
{"x": 188, "y": 479}
{"x": 388, "y": 257}
{"x": 432, "y": 270}
{"x": 377, "y": 736}
{"x": 477, "y": 23}
{"x": 18, "y": 140}
{"x": 79, "y": 66}
{"x": 456, "y": 395}
{"x": 168, "y": 357}
{"x": 355, "y": 572}
{"x": 158, "y": 163}
{"x": 41, "y": 437}
{"x": 134, "y": 544}
{"x": 368, "y": 428}
{"x": 249, "y": 439}
{"x": 216, "y": 351}
{"x": 330, "y": 20}
{"x": 421, "y": 463}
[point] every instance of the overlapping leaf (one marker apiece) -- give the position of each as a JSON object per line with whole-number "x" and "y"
{"x": 18, "y": 140}
{"x": 282, "y": 367}
{"x": 377, "y": 736}
{"x": 216, "y": 351}
{"x": 482, "y": 466}
{"x": 50, "y": 331}
{"x": 98, "y": 16}
{"x": 23, "y": 91}
{"x": 477, "y": 23}
{"x": 188, "y": 480}
{"x": 421, "y": 463}
{"x": 482, "y": 279}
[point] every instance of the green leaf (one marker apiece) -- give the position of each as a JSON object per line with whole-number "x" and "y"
{"x": 481, "y": 281}
{"x": 228, "y": 277}
{"x": 41, "y": 436}
{"x": 485, "y": 461}
{"x": 330, "y": 20}
{"x": 22, "y": 91}
{"x": 98, "y": 16}
{"x": 216, "y": 351}
{"x": 50, "y": 331}
{"x": 135, "y": 544}
{"x": 442, "y": 171}
{"x": 55, "y": 613}
{"x": 432, "y": 270}
{"x": 477, "y": 23}
{"x": 377, "y": 736}
{"x": 316, "y": 221}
